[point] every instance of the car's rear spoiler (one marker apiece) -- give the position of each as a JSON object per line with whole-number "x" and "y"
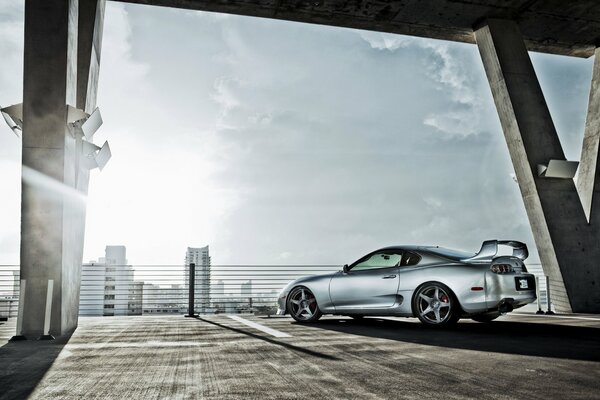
{"x": 489, "y": 249}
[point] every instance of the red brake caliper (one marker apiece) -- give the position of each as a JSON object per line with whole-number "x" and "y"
{"x": 444, "y": 298}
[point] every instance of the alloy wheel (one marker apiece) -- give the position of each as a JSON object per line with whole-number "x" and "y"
{"x": 434, "y": 305}
{"x": 302, "y": 305}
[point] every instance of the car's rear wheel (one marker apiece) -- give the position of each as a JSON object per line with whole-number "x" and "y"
{"x": 302, "y": 305}
{"x": 487, "y": 317}
{"x": 435, "y": 305}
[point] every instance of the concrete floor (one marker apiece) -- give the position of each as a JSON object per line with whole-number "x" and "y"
{"x": 216, "y": 357}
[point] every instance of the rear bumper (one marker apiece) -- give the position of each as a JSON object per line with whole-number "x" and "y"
{"x": 505, "y": 292}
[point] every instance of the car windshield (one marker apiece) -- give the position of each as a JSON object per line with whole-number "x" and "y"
{"x": 381, "y": 259}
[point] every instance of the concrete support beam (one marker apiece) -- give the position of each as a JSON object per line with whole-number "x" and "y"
{"x": 91, "y": 23}
{"x": 568, "y": 246}
{"x": 54, "y": 185}
{"x": 588, "y": 181}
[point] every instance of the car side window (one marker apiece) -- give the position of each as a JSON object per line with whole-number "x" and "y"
{"x": 410, "y": 258}
{"x": 381, "y": 259}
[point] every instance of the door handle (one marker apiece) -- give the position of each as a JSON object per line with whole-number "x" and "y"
{"x": 389, "y": 277}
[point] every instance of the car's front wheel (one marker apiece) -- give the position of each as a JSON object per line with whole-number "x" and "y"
{"x": 302, "y": 305}
{"x": 435, "y": 305}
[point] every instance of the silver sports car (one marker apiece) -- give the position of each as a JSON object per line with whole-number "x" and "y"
{"x": 434, "y": 284}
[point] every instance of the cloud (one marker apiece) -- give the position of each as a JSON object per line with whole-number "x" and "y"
{"x": 459, "y": 123}
{"x": 450, "y": 67}
{"x": 432, "y": 202}
{"x": 385, "y": 41}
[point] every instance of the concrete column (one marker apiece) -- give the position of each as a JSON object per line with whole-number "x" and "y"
{"x": 91, "y": 22}
{"x": 54, "y": 186}
{"x": 568, "y": 246}
{"x": 588, "y": 180}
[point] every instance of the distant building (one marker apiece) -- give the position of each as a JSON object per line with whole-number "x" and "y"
{"x": 115, "y": 255}
{"x": 219, "y": 289}
{"x": 163, "y": 300}
{"x": 108, "y": 288}
{"x": 217, "y": 294}
{"x": 247, "y": 289}
{"x": 247, "y": 295}
{"x": 201, "y": 257}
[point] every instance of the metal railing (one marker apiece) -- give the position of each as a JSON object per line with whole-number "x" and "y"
{"x": 9, "y": 291}
{"x": 110, "y": 290}
{"x": 164, "y": 289}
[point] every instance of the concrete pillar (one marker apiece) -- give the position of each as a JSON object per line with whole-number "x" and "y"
{"x": 91, "y": 22}
{"x": 54, "y": 186}
{"x": 588, "y": 180}
{"x": 569, "y": 247}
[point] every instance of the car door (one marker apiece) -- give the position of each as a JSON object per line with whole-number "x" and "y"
{"x": 371, "y": 282}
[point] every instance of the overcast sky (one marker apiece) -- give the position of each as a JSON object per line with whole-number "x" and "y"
{"x": 279, "y": 142}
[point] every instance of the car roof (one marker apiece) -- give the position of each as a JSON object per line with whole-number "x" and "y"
{"x": 437, "y": 250}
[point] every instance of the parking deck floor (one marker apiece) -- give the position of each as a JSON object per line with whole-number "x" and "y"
{"x": 218, "y": 357}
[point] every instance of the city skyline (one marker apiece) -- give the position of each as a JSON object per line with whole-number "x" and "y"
{"x": 111, "y": 286}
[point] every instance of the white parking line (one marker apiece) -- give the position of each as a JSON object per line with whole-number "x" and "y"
{"x": 558, "y": 316}
{"x": 260, "y": 327}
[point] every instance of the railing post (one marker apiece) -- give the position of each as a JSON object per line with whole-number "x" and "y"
{"x": 538, "y": 295}
{"x": 19, "y": 333}
{"x": 192, "y": 282}
{"x": 548, "y": 298}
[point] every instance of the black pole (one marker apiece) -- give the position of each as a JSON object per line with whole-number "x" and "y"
{"x": 192, "y": 282}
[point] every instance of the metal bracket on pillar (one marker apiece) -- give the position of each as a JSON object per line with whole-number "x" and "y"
{"x": 558, "y": 169}
{"x": 85, "y": 126}
{"x": 80, "y": 123}
{"x": 95, "y": 156}
{"x": 13, "y": 115}
{"x": 83, "y": 123}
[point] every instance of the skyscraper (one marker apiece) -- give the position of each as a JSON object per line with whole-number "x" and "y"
{"x": 115, "y": 255}
{"x": 199, "y": 256}
{"x": 108, "y": 288}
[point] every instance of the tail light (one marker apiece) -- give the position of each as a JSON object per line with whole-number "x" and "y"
{"x": 501, "y": 268}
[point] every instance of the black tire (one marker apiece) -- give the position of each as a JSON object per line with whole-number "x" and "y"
{"x": 302, "y": 305}
{"x": 436, "y": 312}
{"x": 487, "y": 317}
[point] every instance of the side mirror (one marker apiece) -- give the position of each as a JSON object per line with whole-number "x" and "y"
{"x": 345, "y": 268}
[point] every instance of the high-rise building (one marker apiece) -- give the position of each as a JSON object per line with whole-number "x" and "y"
{"x": 115, "y": 255}
{"x": 108, "y": 288}
{"x": 201, "y": 258}
{"x": 247, "y": 289}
